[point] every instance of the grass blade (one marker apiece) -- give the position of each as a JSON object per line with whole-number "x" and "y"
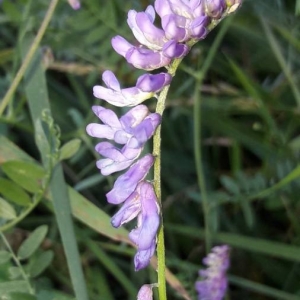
{"x": 38, "y": 102}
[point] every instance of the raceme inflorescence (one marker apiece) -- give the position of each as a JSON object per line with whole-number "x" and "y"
{"x": 214, "y": 281}
{"x": 183, "y": 23}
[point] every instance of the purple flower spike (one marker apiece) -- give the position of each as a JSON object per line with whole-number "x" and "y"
{"x": 114, "y": 95}
{"x": 214, "y": 283}
{"x": 126, "y": 184}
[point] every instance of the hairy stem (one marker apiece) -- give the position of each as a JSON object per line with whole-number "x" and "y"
{"x": 161, "y": 103}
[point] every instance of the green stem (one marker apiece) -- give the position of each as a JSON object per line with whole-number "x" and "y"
{"x": 161, "y": 104}
{"x": 17, "y": 262}
{"x": 20, "y": 217}
{"x": 199, "y": 166}
{"x": 26, "y": 62}
{"x": 197, "y": 132}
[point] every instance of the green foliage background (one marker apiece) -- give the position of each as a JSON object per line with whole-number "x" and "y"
{"x": 247, "y": 132}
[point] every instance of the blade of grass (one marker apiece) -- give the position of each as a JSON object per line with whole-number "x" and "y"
{"x": 198, "y": 132}
{"x": 261, "y": 288}
{"x": 38, "y": 102}
{"x": 112, "y": 267}
{"x": 28, "y": 57}
{"x": 263, "y": 246}
{"x": 279, "y": 56}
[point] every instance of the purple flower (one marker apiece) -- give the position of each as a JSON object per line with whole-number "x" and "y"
{"x": 214, "y": 281}
{"x": 142, "y": 203}
{"x": 182, "y": 21}
{"x": 126, "y": 184}
{"x": 116, "y": 160}
{"x": 132, "y": 130}
{"x": 75, "y": 4}
{"x": 139, "y": 57}
{"x": 129, "y": 210}
{"x": 215, "y": 8}
{"x": 144, "y": 30}
{"x": 172, "y": 49}
{"x": 144, "y": 236}
{"x": 188, "y": 9}
{"x": 114, "y": 95}
{"x": 145, "y": 292}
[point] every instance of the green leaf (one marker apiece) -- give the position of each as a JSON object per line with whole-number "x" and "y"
{"x": 297, "y": 9}
{"x": 89, "y": 182}
{"x": 26, "y": 174}
{"x": 14, "y": 273}
{"x": 13, "y": 286}
{"x": 9, "y": 151}
{"x": 30, "y": 245}
{"x": 69, "y": 149}
{"x": 4, "y": 256}
{"x": 7, "y": 212}
{"x": 12, "y": 11}
{"x": 230, "y": 185}
{"x": 14, "y": 192}
{"x": 41, "y": 263}
{"x": 20, "y": 296}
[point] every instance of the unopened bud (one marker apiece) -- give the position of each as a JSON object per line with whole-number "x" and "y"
{"x": 145, "y": 292}
{"x": 215, "y": 8}
{"x": 233, "y": 5}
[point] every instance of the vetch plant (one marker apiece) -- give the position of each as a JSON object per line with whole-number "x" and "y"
{"x": 214, "y": 281}
{"x": 183, "y": 23}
